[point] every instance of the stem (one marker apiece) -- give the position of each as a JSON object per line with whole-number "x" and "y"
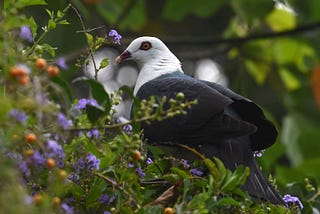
{"x": 114, "y": 184}
{"x": 84, "y": 30}
{"x": 317, "y": 194}
{"x": 46, "y": 31}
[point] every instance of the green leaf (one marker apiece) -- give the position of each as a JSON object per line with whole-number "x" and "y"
{"x": 290, "y": 81}
{"x": 51, "y": 24}
{"x": 64, "y": 85}
{"x": 49, "y": 13}
{"x": 99, "y": 94}
{"x": 94, "y": 113}
{"x": 281, "y": 19}
{"x": 63, "y": 22}
{"x": 49, "y": 49}
{"x": 258, "y": 70}
{"x": 225, "y": 201}
{"x": 181, "y": 173}
{"x": 104, "y": 63}
{"x": 25, "y": 3}
{"x": 90, "y": 40}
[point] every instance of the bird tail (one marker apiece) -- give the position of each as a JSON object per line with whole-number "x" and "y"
{"x": 259, "y": 187}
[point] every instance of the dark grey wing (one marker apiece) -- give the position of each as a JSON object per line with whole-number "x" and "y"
{"x": 205, "y": 121}
{"x": 266, "y": 133}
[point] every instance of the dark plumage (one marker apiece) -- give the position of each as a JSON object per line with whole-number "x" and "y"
{"x": 223, "y": 124}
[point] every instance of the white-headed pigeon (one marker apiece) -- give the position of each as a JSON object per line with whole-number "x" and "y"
{"x": 223, "y": 124}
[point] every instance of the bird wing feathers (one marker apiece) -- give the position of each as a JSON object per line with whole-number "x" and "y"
{"x": 207, "y": 119}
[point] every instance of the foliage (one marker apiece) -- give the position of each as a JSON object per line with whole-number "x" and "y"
{"x": 59, "y": 154}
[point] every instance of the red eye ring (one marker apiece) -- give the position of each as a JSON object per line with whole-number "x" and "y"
{"x": 145, "y": 46}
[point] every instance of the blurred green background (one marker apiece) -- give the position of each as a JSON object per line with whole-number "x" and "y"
{"x": 267, "y": 50}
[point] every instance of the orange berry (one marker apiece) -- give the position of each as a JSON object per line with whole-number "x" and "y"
{"x": 24, "y": 80}
{"x": 62, "y": 174}
{"x": 41, "y": 63}
{"x": 18, "y": 71}
{"x": 56, "y": 201}
{"x": 15, "y": 138}
{"x": 51, "y": 163}
{"x": 29, "y": 152}
{"x": 168, "y": 210}
{"x": 53, "y": 70}
{"x": 30, "y": 138}
{"x": 137, "y": 155}
{"x": 37, "y": 198}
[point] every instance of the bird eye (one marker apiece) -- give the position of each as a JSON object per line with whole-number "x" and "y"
{"x": 145, "y": 46}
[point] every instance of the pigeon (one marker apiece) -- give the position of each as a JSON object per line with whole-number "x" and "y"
{"x": 222, "y": 124}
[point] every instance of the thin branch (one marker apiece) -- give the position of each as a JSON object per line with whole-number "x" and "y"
{"x": 116, "y": 185}
{"x": 90, "y": 49}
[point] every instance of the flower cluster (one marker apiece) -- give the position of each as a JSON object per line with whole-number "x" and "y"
{"x": 116, "y": 36}
{"x": 288, "y": 200}
{"x": 91, "y": 162}
{"x": 82, "y": 103}
{"x": 25, "y": 33}
{"x": 18, "y": 115}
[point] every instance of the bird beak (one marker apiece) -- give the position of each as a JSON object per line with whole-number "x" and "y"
{"x": 125, "y": 55}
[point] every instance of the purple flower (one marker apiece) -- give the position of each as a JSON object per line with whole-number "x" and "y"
{"x": 185, "y": 163}
{"x": 149, "y": 161}
{"x": 19, "y": 116}
{"x": 73, "y": 177}
{"x": 94, "y": 133}
{"x": 92, "y": 102}
{"x": 140, "y": 172}
{"x": 38, "y": 159}
{"x": 55, "y": 150}
{"x": 127, "y": 129}
{"x": 42, "y": 99}
{"x": 82, "y": 103}
{"x": 64, "y": 122}
{"x": 258, "y": 153}
{"x": 79, "y": 165}
{"x": 67, "y": 209}
{"x": 15, "y": 156}
{"x": 130, "y": 165}
{"x": 61, "y": 62}
{"x": 115, "y": 36}
{"x": 28, "y": 200}
{"x": 288, "y": 199}
{"x": 25, "y": 33}
{"x": 23, "y": 167}
{"x": 93, "y": 162}
{"x": 106, "y": 212}
{"x": 196, "y": 172}
{"x": 106, "y": 199}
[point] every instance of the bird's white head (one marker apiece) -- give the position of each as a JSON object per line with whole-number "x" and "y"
{"x": 153, "y": 58}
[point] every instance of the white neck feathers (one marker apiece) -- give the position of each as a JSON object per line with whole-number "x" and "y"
{"x": 156, "y": 67}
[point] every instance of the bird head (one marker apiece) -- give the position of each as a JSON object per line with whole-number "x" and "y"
{"x": 147, "y": 50}
{"x": 153, "y": 58}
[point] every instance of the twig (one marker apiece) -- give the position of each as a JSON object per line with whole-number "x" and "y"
{"x": 90, "y": 49}
{"x": 114, "y": 184}
{"x": 317, "y": 194}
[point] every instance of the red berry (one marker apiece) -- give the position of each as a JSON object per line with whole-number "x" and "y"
{"x": 51, "y": 163}
{"x": 41, "y": 63}
{"x": 53, "y": 70}
{"x": 30, "y": 138}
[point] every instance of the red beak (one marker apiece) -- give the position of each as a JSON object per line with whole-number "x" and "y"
{"x": 123, "y": 56}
